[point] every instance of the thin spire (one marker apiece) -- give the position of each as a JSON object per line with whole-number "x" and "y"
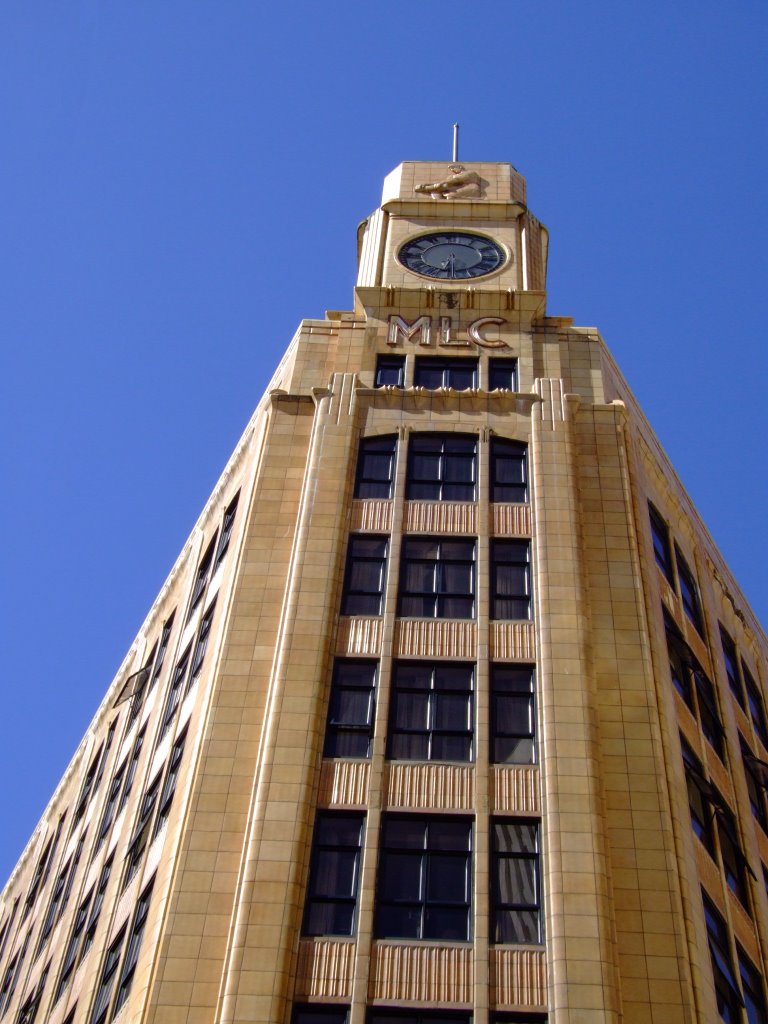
{"x": 455, "y": 143}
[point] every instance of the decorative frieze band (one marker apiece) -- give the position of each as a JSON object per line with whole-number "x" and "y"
{"x": 359, "y": 636}
{"x": 440, "y": 787}
{"x": 518, "y": 978}
{"x": 436, "y": 638}
{"x": 325, "y": 968}
{"x": 344, "y": 784}
{"x": 513, "y": 641}
{"x": 372, "y": 514}
{"x": 516, "y": 789}
{"x": 421, "y": 974}
{"x": 511, "y": 520}
{"x": 441, "y": 517}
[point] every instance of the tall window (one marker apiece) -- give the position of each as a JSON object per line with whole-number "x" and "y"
{"x": 113, "y": 796}
{"x": 334, "y": 874}
{"x": 171, "y": 780}
{"x": 390, "y": 372}
{"x": 98, "y": 901}
{"x": 442, "y": 467}
{"x": 43, "y": 866}
{"x": 376, "y": 467}
{"x": 755, "y": 705}
{"x": 431, "y": 712}
{"x": 432, "y": 372}
{"x": 734, "y": 861}
{"x": 516, "y": 882}
{"x": 140, "y": 838}
{"x": 164, "y": 640}
{"x": 226, "y": 528}
{"x": 513, "y": 714}
{"x": 89, "y": 786}
{"x": 696, "y": 689}
{"x": 107, "y": 981}
{"x": 699, "y": 798}
{"x": 425, "y": 878}
{"x": 350, "y": 715}
{"x": 134, "y": 945}
{"x": 365, "y": 575}
{"x": 689, "y": 593}
{"x": 661, "y": 546}
{"x": 73, "y": 946}
{"x": 502, "y": 374}
{"x": 131, "y": 767}
{"x": 201, "y": 646}
{"x": 726, "y": 987}
{"x": 437, "y": 578}
{"x": 203, "y": 572}
{"x": 731, "y": 661}
{"x": 175, "y": 691}
{"x": 509, "y": 470}
{"x": 510, "y": 579}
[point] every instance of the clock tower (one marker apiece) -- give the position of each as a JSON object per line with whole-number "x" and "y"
{"x": 449, "y": 711}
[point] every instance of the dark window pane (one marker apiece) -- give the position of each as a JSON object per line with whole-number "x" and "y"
{"x": 510, "y": 579}
{"x": 509, "y": 471}
{"x": 431, "y": 714}
{"x": 390, "y": 371}
{"x": 689, "y": 592}
{"x": 376, "y": 467}
{"x": 424, "y": 886}
{"x": 334, "y": 874}
{"x": 366, "y": 570}
{"x": 433, "y": 373}
{"x": 437, "y": 578}
{"x": 502, "y": 373}
{"x": 516, "y": 882}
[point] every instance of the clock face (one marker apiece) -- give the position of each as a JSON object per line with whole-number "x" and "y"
{"x": 451, "y": 255}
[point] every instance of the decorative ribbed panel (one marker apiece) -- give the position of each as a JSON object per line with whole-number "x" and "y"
{"x": 516, "y": 789}
{"x": 325, "y": 968}
{"x": 441, "y": 516}
{"x": 153, "y": 857}
{"x": 359, "y": 636}
{"x": 518, "y": 977}
{"x": 441, "y": 787}
{"x": 511, "y": 520}
{"x": 344, "y": 783}
{"x": 421, "y": 974}
{"x": 513, "y": 641}
{"x": 372, "y": 514}
{"x": 435, "y": 638}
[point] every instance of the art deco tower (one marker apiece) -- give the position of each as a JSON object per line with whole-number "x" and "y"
{"x": 449, "y": 710}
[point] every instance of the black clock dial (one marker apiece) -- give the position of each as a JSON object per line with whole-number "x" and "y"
{"x": 451, "y": 255}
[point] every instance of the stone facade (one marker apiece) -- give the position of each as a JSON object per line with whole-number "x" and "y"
{"x": 177, "y": 876}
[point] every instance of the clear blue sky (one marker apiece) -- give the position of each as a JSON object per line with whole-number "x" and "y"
{"x": 180, "y": 184}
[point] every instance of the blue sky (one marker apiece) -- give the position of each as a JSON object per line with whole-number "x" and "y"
{"x": 180, "y": 184}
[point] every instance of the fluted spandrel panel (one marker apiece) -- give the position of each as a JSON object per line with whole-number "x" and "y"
{"x": 435, "y": 638}
{"x": 421, "y": 974}
{"x": 440, "y": 517}
{"x": 344, "y": 784}
{"x": 359, "y": 636}
{"x": 439, "y": 787}
{"x": 518, "y": 978}
{"x": 516, "y": 790}
{"x": 325, "y": 969}
{"x": 372, "y": 514}
{"x": 513, "y": 641}
{"x": 511, "y": 520}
